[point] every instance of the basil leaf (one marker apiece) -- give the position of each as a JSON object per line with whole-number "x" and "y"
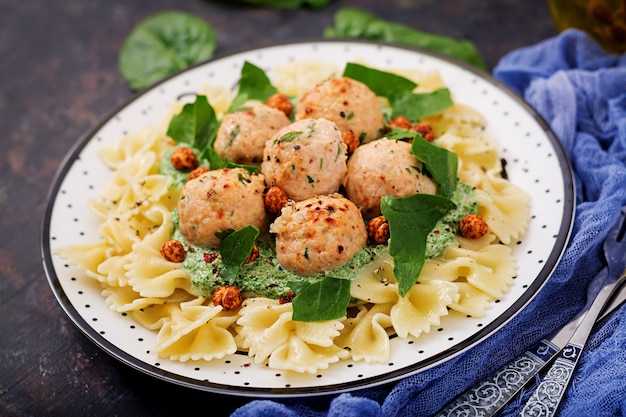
{"x": 440, "y": 162}
{"x": 351, "y": 22}
{"x": 254, "y": 84}
{"x": 163, "y": 44}
{"x": 235, "y": 249}
{"x": 415, "y": 106}
{"x": 380, "y": 82}
{"x": 196, "y": 125}
{"x": 410, "y": 221}
{"x": 326, "y": 299}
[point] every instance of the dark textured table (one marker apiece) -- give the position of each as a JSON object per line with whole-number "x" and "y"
{"x": 58, "y": 78}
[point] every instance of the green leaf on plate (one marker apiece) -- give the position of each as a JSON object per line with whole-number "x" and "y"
{"x": 326, "y": 299}
{"x": 196, "y": 125}
{"x": 382, "y": 83}
{"x": 410, "y": 221}
{"x": 163, "y": 44}
{"x": 440, "y": 162}
{"x": 235, "y": 249}
{"x": 254, "y": 84}
{"x": 415, "y": 106}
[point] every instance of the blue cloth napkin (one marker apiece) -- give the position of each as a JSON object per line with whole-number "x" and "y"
{"x": 581, "y": 92}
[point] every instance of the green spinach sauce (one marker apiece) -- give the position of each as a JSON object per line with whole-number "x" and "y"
{"x": 265, "y": 277}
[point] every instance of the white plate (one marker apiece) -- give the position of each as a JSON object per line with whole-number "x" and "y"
{"x": 535, "y": 162}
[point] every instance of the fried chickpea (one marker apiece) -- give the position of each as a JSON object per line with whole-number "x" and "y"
{"x": 227, "y": 296}
{"x": 424, "y": 129}
{"x": 275, "y": 199}
{"x": 184, "y": 159}
{"x": 378, "y": 230}
{"x": 280, "y": 102}
{"x": 473, "y": 226}
{"x": 173, "y": 250}
{"x": 196, "y": 173}
{"x": 400, "y": 122}
{"x": 351, "y": 140}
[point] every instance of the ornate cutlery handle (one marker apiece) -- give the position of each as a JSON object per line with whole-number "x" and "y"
{"x": 493, "y": 393}
{"x": 548, "y": 394}
{"x": 546, "y": 398}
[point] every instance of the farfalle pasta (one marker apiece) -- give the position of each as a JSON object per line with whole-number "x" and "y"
{"x": 137, "y": 214}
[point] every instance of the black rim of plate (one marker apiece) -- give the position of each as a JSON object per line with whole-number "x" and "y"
{"x": 440, "y": 358}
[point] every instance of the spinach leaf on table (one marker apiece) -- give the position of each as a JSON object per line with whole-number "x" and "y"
{"x": 163, "y": 44}
{"x": 352, "y": 22}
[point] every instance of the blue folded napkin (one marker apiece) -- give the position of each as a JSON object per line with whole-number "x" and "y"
{"x": 581, "y": 92}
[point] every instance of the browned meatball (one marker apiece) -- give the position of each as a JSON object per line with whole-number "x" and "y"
{"x": 305, "y": 159}
{"x": 384, "y": 167}
{"x": 348, "y": 103}
{"x": 242, "y": 134}
{"x": 220, "y": 200}
{"x": 318, "y": 234}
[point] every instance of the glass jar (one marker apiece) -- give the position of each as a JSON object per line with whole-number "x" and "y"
{"x": 603, "y": 20}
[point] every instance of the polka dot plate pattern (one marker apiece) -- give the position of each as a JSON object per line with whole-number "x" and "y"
{"x": 535, "y": 159}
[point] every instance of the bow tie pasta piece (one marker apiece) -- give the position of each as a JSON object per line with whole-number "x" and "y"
{"x": 366, "y": 334}
{"x": 490, "y": 269}
{"x": 298, "y": 355}
{"x": 266, "y": 329}
{"x": 502, "y": 204}
{"x": 88, "y": 257}
{"x": 505, "y": 208}
{"x": 146, "y": 140}
{"x": 149, "y": 273}
{"x": 375, "y": 283}
{"x": 472, "y": 301}
{"x": 125, "y": 299}
{"x": 459, "y": 119}
{"x": 423, "y": 307}
{"x": 478, "y": 156}
{"x": 196, "y": 331}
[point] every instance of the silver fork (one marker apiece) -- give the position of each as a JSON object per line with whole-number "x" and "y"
{"x": 548, "y": 395}
{"x": 492, "y": 394}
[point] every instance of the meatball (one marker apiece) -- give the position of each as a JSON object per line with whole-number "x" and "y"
{"x": 305, "y": 159}
{"x": 243, "y": 133}
{"x": 348, "y": 103}
{"x": 384, "y": 167}
{"x": 318, "y": 234}
{"x": 220, "y": 200}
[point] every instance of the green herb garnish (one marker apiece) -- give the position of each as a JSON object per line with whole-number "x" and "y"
{"x": 235, "y": 249}
{"x": 440, "y": 162}
{"x": 254, "y": 84}
{"x": 196, "y": 125}
{"x": 326, "y": 299}
{"x": 410, "y": 221}
{"x": 399, "y": 92}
